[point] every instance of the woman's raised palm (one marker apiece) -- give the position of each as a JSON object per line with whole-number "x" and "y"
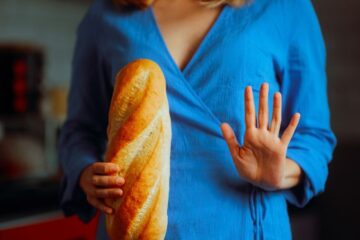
{"x": 262, "y": 158}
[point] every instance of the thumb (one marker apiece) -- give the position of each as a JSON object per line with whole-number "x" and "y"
{"x": 230, "y": 138}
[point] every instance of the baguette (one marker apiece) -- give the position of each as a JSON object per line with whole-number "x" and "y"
{"x": 139, "y": 141}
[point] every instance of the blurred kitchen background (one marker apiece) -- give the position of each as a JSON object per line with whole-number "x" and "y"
{"x": 36, "y": 45}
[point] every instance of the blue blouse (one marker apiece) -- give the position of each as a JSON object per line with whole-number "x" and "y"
{"x": 277, "y": 41}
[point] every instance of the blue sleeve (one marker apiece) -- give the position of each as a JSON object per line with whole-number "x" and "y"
{"x": 83, "y": 138}
{"x": 304, "y": 90}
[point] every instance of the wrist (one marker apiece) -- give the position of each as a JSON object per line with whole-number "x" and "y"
{"x": 292, "y": 176}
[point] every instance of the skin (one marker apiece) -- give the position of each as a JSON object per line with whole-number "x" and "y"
{"x": 98, "y": 181}
{"x": 183, "y": 25}
{"x": 261, "y": 160}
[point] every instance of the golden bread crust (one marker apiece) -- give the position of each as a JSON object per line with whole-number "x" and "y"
{"x": 139, "y": 140}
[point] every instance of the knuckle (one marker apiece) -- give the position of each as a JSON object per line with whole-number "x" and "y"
{"x": 94, "y": 180}
{"x": 102, "y": 168}
{"x": 113, "y": 181}
{"x": 108, "y": 168}
{"x": 108, "y": 181}
{"x": 104, "y": 181}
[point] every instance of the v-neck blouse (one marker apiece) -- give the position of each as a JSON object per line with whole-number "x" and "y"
{"x": 199, "y": 48}
{"x": 277, "y": 41}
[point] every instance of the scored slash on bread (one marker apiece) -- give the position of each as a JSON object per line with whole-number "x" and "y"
{"x": 139, "y": 140}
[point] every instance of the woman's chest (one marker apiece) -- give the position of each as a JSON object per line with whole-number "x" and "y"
{"x": 233, "y": 56}
{"x": 183, "y": 28}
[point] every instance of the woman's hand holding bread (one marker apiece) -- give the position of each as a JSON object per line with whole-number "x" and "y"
{"x": 99, "y": 181}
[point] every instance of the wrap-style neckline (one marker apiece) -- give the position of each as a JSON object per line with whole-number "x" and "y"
{"x": 201, "y": 46}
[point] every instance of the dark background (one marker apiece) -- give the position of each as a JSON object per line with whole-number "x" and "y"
{"x": 335, "y": 213}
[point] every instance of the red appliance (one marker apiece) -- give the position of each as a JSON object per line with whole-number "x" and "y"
{"x": 21, "y": 68}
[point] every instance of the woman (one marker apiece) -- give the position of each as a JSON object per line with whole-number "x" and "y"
{"x": 239, "y": 152}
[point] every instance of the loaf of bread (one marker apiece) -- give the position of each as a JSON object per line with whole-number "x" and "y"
{"x": 139, "y": 140}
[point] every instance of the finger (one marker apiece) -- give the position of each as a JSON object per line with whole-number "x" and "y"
{"x": 263, "y": 106}
{"x": 276, "y": 115}
{"x": 289, "y": 131}
{"x": 107, "y": 193}
{"x": 99, "y": 205}
{"x": 107, "y": 181}
{"x": 250, "y": 118}
{"x": 105, "y": 168}
{"x": 230, "y": 138}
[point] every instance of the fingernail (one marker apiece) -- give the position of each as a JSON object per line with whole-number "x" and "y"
{"x": 119, "y": 181}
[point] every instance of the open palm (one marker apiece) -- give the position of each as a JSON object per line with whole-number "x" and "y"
{"x": 262, "y": 158}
